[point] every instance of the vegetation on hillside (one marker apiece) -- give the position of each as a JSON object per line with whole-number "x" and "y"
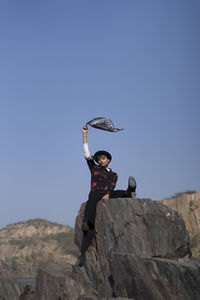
{"x": 65, "y": 240}
{"x": 37, "y": 223}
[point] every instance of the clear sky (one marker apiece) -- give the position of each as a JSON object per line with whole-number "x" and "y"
{"x": 63, "y": 63}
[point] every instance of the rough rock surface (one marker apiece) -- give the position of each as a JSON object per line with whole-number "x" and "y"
{"x": 62, "y": 281}
{"x": 27, "y": 293}
{"x": 188, "y": 206}
{"x": 141, "y": 252}
{"x": 12, "y": 289}
{"x": 138, "y": 226}
{"x": 9, "y": 289}
{"x": 159, "y": 281}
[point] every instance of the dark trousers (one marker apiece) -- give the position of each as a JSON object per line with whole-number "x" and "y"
{"x": 90, "y": 214}
{"x": 94, "y": 197}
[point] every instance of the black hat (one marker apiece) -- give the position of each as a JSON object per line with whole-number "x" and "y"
{"x": 102, "y": 152}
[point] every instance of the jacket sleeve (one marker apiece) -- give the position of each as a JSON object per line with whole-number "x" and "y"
{"x": 91, "y": 164}
{"x": 112, "y": 182}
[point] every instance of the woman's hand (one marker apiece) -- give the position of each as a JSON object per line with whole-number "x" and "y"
{"x": 85, "y": 129}
{"x": 106, "y": 196}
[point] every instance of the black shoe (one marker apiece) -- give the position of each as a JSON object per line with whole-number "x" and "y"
{"x": 82, "y": 259}
{"x": 85, "y": 227}
{"x": 131, "y": 187}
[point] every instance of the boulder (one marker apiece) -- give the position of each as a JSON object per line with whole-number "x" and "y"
{"x": 9, "y": 288}
{"x": 140, "y": 251}
{"x": 59, "y": 281}
{"x": 188, "y": 206}
{"x": 139, "y": 226}
{"x": 28, "y": 293}
{"x": 154, "y": 278}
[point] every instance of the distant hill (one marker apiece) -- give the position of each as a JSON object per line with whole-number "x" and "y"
{"x": 188, "y": 206}
{"x": 25, "y": 245}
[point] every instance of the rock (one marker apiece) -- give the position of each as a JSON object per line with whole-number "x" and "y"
{"x": 27, "y": 294}
{"x": 104, "y": 298}
{"x": 9, "y": 289}
{"x": 12, "y": 289}
{"x": 158, "y": 283}
{"x": 61, "y": 281}
{"x": 141, "y": 250}
{"x": 188, "y": 206}
{"x": 138, "y": 226}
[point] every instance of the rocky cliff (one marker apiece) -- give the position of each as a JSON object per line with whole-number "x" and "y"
{"x": 23, "y": 246}
{"x": 188, "y": 206}
{"x": 141, "y": 251}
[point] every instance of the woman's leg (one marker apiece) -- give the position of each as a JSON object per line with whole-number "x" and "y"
{"x": 87, "y": 239}
{"x": 90, "y": 208}
{"x": 88, "y": 226}
{"x": 118, "y": 194}
{"x": 128, "y": 193}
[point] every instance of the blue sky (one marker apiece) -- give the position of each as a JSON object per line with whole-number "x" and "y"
{"x": 66, "y": 62}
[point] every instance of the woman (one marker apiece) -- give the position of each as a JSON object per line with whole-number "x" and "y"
{"x": 103, "y": 182}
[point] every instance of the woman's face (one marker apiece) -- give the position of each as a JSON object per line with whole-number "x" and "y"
{"x": 103, "y": 160}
